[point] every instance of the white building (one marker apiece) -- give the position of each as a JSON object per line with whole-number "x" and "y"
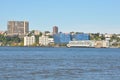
{"x": 28, "y": 41}
{"x": 44, "y": 40}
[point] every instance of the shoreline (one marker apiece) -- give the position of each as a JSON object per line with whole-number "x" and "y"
{"x": 58, "y": 47}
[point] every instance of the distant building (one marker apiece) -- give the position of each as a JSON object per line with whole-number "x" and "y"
{"x": 72, "y": 33}
{"x": 107, "y": 35}
{"x": 118, "y": 36}
{"x": 47, "y": 33}
{"x": 2, "y": 32}
{"x": 45, "y": 40}
{"x": 101, "y": 44}
{"x": 17, "y": 28}
{"x": 55, "y": 30}
{"x": 36, "y": 32}
{"x": 80, "y": 36}
{"x": 28, "y": 41}
{"x": 62, "y": 38}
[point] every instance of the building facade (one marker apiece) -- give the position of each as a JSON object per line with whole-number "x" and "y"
{"x": 29, "y": 41}
{"x": 80, "y": 36}
{"x": 36, "y": 32}
{"x": 62, "y": 38}
{"x": 102, "y": 44}
{"x": 45, "y": 40}
{"x": 55, "y": 30}
{"x": 17, "y": 28}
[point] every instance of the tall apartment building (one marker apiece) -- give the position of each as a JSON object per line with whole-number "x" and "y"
{"x": 17, "y": 28}
{"x": 28, "y": 41}
{"x": 55, "y": 30}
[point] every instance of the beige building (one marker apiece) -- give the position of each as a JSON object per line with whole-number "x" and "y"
{"x": 102, "y": 44}
{"x": 17, "y": 28}
{"x": 36, "y": 32}
{"x": 29, "y": 41}
{"x": 45, "y": 41}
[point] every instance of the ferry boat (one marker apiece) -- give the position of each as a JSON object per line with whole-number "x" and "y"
{"x": 82, "y": 43}
{"x": 89, "y": 44}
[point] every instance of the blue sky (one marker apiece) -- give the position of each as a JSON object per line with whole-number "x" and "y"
{"x": 69, "y": 15}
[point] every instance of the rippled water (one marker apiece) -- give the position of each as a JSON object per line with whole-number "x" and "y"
{"x": 22, "y": 63}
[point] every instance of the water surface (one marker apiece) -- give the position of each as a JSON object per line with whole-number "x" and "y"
{"x": 34, "y": 63}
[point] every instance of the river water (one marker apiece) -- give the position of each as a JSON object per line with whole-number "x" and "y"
{"x": 35, "y": 63}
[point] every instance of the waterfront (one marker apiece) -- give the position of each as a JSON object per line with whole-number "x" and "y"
{"x": 35, "y": 63}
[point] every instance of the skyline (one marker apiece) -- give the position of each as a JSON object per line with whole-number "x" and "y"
{"x": 69, "y": 15}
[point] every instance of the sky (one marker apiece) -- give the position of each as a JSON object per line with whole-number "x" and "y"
{"x": 89, "y": 16}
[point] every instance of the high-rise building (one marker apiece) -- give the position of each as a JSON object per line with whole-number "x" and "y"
{"x": 17, "y": 28}
{"x": 55, "y": 30}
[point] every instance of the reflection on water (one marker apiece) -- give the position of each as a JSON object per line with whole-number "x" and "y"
{"x": 59, "y": 64}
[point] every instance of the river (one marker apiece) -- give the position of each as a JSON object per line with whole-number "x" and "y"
{"x": 35, "y": 63}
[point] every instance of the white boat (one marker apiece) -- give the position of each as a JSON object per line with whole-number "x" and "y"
{"x": 81, "y": 43}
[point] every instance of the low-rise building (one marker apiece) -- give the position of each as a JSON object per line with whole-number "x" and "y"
{"x": 108, "y": 35}
{"x": 36, "y": 32}
{"x": 29, "y": 41}
{"x": 102, "y": 44}
{"x": 45, "y": 40}
{"x": 118, "y": 36}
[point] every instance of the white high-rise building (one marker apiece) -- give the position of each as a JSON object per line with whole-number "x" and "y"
{"x": 45, "y": 40}
{"x": 28, "y": 41}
